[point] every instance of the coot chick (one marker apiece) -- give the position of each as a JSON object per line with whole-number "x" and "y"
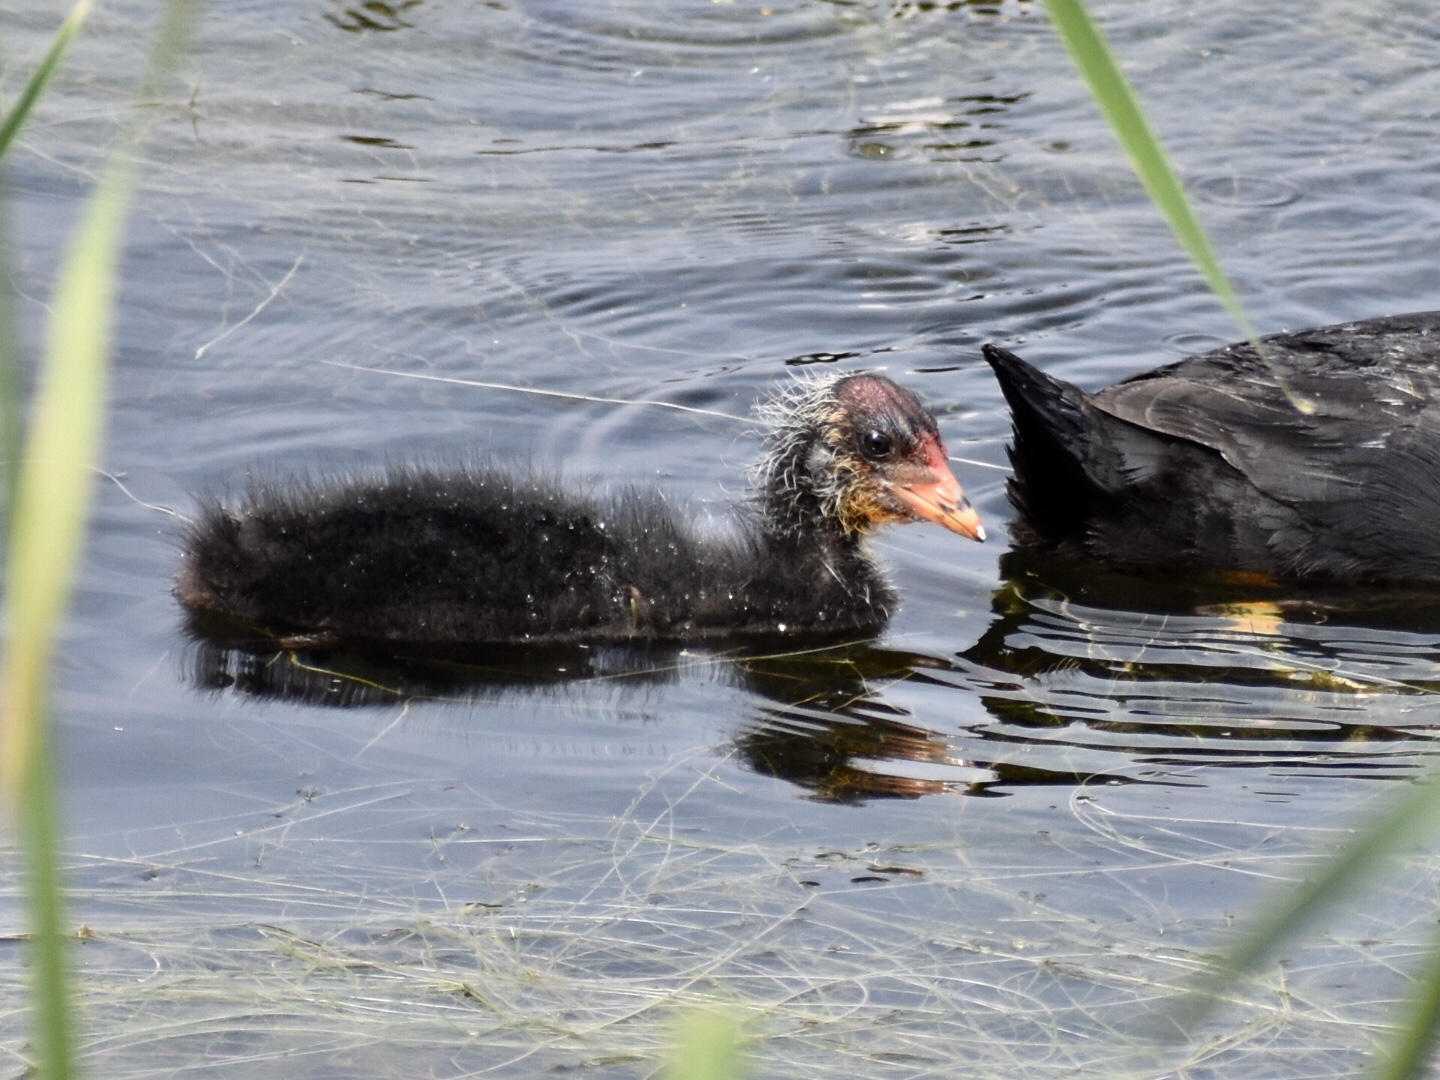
{"x": 482, "y": 556}
{"x": 1320, "y": 460}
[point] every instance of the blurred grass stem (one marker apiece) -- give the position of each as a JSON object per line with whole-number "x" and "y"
{"x": 40, "y": 78}
{"x": 47, "y": 527}
{"x": 709, "y": 1045}
{"x": 11, "y": 431}
{"x": 1116, "y": 98}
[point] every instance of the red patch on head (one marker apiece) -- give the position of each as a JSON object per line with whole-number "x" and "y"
{"x": 934, "y": 453}
{"x": 875, "y": 401}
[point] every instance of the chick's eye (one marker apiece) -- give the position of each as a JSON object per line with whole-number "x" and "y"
{"x": 877, "y": 444}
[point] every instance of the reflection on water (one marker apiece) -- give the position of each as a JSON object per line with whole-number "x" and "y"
{"x": 372, "y": 15}
{"x": 1179, "y": 672}
{"x": 1088, "y": 674}
{"x": 826, "y": 708}
{"x": 962, "y": 128}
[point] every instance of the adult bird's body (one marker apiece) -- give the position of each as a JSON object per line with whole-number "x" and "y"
{"x": 1319, "y": 459}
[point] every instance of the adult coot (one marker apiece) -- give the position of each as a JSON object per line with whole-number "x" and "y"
{"x": 1319, "y": 459}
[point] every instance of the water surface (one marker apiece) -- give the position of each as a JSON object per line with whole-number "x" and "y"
{"x": 992, "y": 836}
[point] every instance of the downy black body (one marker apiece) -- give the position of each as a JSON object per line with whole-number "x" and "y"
{"x": 482, "y": 555}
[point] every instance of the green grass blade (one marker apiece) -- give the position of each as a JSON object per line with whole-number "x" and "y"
{"x": 10, "y": 422}
{"x": 709, "y": 1045}
{"x": 66, "y": 422}
{"x": 47, "y": 530}
{"x": 41, "y": 76}
{"x": 63, "y": 448}
{"x": 1403, "y": 822}
{"x": 53, "y": 1026}
{"x": 1117, "y": 100}
{"x": 1409, "y": 1057}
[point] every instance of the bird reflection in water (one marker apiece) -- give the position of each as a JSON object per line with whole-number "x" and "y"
{"x": 1084, "y": 675}
{"x": 825, "y": 724}
{"x": 1189, "y": 669}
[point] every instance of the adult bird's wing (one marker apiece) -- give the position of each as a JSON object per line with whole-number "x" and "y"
{"x": 1373, "y": 433}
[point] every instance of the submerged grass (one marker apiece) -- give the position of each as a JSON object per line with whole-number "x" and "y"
{"x": 1407, "y": 820}
{"x": 528, "y": 942}
{"x": 1400, "y": 824}
{"x": 47, "y": 526}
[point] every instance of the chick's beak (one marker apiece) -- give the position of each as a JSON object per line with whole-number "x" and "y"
{"x": 931, "y": 492}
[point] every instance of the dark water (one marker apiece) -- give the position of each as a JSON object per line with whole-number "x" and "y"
{"x": 994, "y": 835}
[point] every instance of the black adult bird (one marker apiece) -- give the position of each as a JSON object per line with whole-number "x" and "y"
{"x": 1320, "y": 459}
{"x": 477, "y": 555}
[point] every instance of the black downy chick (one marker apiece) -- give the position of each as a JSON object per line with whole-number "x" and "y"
{"x": 485, "y": 556}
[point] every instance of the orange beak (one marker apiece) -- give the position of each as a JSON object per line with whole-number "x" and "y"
{"x": 935, "y": 495}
